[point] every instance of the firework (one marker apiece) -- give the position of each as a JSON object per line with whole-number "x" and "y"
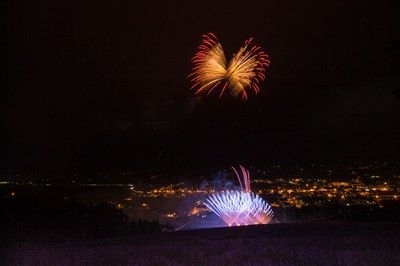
{"x": 243, "y": 73}
{"x": 240, "y": 207}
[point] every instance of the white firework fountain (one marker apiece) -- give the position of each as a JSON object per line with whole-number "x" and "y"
{"x": 240, "y": 207}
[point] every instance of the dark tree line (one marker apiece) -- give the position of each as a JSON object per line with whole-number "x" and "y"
{"x": 27, "y": 219}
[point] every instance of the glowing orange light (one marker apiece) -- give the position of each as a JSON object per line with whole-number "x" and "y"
{"x": 244, "y": 72}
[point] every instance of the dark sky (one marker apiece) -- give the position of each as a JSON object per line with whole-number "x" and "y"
{"x": 104, "y": 84}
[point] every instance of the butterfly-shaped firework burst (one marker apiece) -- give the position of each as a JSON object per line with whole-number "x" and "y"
{"x": 244, "y": 72}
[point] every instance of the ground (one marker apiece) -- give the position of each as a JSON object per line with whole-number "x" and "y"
{"x": 273, "y": 244}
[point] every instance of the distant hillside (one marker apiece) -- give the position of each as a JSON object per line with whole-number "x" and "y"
{"x": 274, "y": 244}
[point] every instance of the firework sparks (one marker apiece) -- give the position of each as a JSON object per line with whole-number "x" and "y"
{"x": 243, "y": 73}
{"x": 240, "y": 207}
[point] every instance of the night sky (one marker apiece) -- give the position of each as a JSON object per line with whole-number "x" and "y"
{"x": 104, "y": 85}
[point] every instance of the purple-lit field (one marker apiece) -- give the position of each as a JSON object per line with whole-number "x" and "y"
{"x": 273, "y": 244}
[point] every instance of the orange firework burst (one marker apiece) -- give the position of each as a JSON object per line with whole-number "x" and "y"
{"x": 244, "y": 72}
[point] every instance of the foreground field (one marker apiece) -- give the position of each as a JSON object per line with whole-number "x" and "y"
{"x": 274, "y": 244}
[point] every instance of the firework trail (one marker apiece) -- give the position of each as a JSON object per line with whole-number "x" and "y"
{"x": 240, "y": 207}
{"x": 243, "y": 73}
